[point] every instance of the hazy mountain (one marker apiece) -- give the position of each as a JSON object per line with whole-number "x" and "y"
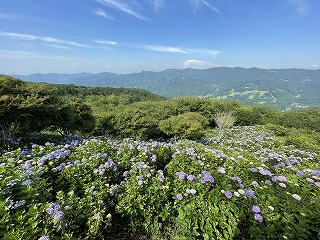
{"x": 53, "y": 77}
{"x": 282, "y": 88}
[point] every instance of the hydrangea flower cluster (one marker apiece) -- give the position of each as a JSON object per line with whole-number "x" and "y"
{"x": 54, "y": 210}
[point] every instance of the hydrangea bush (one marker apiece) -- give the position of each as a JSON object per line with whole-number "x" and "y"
{"x": 246, "y": 185}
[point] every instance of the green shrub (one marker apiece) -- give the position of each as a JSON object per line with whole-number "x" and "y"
{"x": 187, "y": 125}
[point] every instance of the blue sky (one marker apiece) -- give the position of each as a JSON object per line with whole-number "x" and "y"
{"x": 124, "y": 36}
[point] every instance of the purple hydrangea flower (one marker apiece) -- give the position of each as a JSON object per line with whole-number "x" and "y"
{"x": 154, "y": 158}
{"x": 255, "y": 183}
{"x": 181, "y": 175}
{"x": 191, "y": 177}
{"x": 161, "y": 178}
{"x": 179, "y": 196}
{"x": 265, "y": 172}
{"x": 300, "y": 173}
{"x": 258, "y": 217}
{"x": 310, "y": 180}
{"x": 44, "y": 238}
{"x": 228, "y": 194}
{"x": 250, "y": 193}
{"x": 58, "y": 216}
{"x": 96, "y": 215}
{"x": 256, "y": 209}
{"x": 282, "y": 179}
{"x": 207, "y": 177}
{"x": 253, "y": 170}
{"x": 268, "y": 182}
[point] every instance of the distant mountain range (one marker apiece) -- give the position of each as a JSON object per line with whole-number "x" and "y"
{"x": 280, "y": 88}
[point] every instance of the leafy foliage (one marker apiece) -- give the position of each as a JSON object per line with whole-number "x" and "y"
{"x": 187, "y": 125}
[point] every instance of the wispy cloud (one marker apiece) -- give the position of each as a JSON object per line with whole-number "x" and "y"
{"x": 108, "y": 42}
{"x": 123, "y": 7}
{"x": 196, "y": 64}
{"x": 57, "y": 46}
{"x": 197, "y": 4}
{"x": 164, "y": 49}
{"x": 204, "y": 51}
{"x": 101, "y": 13}
{"x": 50, "y": 40}
{"x": 171, "y": 49}
{"x": 301, "y": 7}
{"x": 158, "y": 5}
{"x": 27, "y": 55}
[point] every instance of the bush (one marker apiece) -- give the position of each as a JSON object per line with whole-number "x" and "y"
{"x": 187, "y": 125}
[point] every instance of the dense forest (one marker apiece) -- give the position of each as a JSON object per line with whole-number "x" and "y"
{"x": 116, "y": 163}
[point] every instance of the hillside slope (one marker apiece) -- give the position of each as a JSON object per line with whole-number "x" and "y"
{"x": 280, "y": 88}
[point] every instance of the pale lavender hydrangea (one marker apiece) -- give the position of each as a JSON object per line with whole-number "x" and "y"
{"x": 181, "y": 175}
{"x": 191, "y": 177}
{"x": 317, "y": 184}
{"x": 256, "y": 209}
{"x": 268, "y": 182}
{"x": 253, "y": 170}
{"x": 255, "y": 184}
{"x": 282, "y": 179}
{"x": 54, "y": 210}
{"x": 179, "y": 196}
{"x": 250, "y": 193}
{"x": 310, "y": 180}
{"x": 207, "y": 177}
{"x": 258, "y": 217}
{"x": 265, "y": 172}
{"x": 44, "y": 238}
{"x": 228, "y": 194}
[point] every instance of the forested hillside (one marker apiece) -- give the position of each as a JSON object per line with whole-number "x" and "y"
{"x": 280, "y": 88}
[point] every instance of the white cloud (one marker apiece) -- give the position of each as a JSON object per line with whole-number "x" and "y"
{"x": 315, "y": 65}
{"x": 205, "y": 51}
{"x": 171, "y": 49}
{"x": 123, "y": 7}
{"x": 164, "y": 49}
{"x": 106, "y": 42}
{"x": 57, "y": 46}
{"x": 28, "y": 37}
{"x": 101, "y": 13}
{"x": 196, "y": 64}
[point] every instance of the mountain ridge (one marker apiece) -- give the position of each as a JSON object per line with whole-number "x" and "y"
{"x": 281, "y": 88}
